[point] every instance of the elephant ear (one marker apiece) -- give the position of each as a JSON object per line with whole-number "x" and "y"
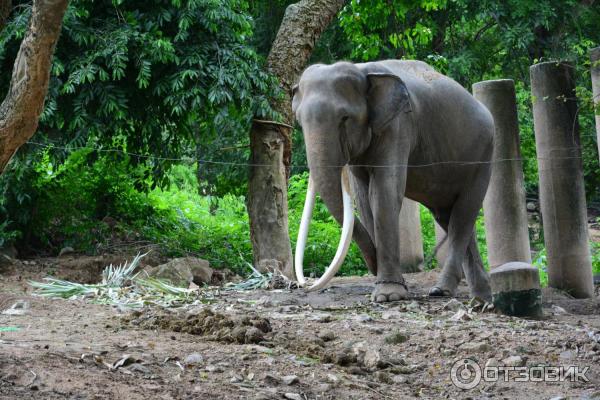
{"x": 387, "y": 97}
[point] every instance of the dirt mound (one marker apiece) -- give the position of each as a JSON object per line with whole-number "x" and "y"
{"x": 206, "y": 323}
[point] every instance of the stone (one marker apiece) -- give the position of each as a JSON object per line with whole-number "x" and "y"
{"x": 531, "y": 206}
{"x": 183, "y": 271}
{"x": 516, "y": 289}
{"x": 193, "y": 359}
{"x": 66, "y": 251}
{"x": 367, "y": 356}
{"x": 391, "y": 315}
{"x": 453, "y": 305}
{"x": 396, "y": 338}
{"x": 332, "y": 378}
{"x": 293, "y": 396}
{"x": 290, "y": 379}
{"x": 514, "y": 361}
{"x": 476, "y": 347}
{"x": 326, "y": 336}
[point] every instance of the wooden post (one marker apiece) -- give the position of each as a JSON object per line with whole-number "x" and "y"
{"x": 595, "y": 72}
{"x": 562, "y": 192}
{"x": 504, "y": 205}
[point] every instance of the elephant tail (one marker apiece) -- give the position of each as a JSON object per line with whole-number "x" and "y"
{"x": 430, "y": 257}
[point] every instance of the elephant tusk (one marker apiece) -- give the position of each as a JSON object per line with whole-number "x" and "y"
{"x": 309, "y": 205}
{"x": 345, "y": 240}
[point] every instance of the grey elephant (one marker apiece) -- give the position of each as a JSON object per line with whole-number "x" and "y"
{"x": 401, "y": 129}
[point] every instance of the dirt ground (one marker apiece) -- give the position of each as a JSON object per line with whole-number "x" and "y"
{"x": 281, "y": 344}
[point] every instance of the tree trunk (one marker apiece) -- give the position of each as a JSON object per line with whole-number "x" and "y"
{"x": 21, "y": 109}
{"x": 5, "y": 9}
{"x": 302, "y": 25}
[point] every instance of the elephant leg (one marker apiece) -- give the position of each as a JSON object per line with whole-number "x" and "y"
{"x": 359, "y": 179}
{"x": 386, "y": 192}
{"x": 460, "y": 234}
{"x": 360, "y": 185}
{"x": 450, "y": 276}
{"x": 477, "y": 277}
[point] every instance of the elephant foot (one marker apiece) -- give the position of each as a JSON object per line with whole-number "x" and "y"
{"x": 445, "y": 287}
{"x": 389, "y": 291}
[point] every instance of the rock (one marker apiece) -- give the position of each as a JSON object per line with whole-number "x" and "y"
{"x": 461, "y": 315}
{"x": 193, "y": 359}
{"x": 399, "y": 379}
{"x": 567, "y": 355}
{"x": 391, "y": 315}
{"x": 21, "y": 307}
{"x": 453, "y": 305}
{"x": 183, "y": 271}
{"x": 383, "y": 377}
{"x": 293, "y": 396}
{"x": 327, "y": 336}
{"x": 396, "y": 338}
{"x": 9, "y": 251}
{"x": 213, "y": 368}
{"x": 476, "y": 347}
{"x": 514, "y": 361}
{"x": 367, "y": 356}
{"x": 332, "y": 378}
{"x": 363, "y": 318}
{"x": 558, "y": 310}
{"x": 531, "y": 206}
{"x": 492, "y": 362}
{"x": 66, "y": 251}
{"x": 290, "y": 379}
{"x": 5, "y": 260}
{"x": 253, "y": 335}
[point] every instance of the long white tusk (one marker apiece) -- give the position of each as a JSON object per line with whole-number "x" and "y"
{"x": 309, "y": 205}
{"x": 346, "y": 238}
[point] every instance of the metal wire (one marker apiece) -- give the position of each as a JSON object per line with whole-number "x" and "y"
{"x": 230, "y": 163}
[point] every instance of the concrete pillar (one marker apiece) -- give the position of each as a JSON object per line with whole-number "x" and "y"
{"x": 595, "y": 70}
{"x": 504, "y": 207}
{"x": 562, "y": 193}
{"x": 442, "y": 252}
{"x": 411, "y": 241}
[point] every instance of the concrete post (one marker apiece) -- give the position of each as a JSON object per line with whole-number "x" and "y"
{"x": 595, "y": 70}
{"x": 411, "y": 241}
{"x": 562, "y": 193}
{"x": 504, "y": 207}
{"x": 442, "y": 252}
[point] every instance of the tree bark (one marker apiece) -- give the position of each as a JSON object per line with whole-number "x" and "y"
{"x": 21, "y": 109}
{"x": 5, "y": 9}
{"x": 301, "y": 27}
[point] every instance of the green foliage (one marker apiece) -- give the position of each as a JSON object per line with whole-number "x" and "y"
{"x": 158, "y": 77}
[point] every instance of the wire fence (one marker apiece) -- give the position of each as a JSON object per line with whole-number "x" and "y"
{"x": 302, "y": 166}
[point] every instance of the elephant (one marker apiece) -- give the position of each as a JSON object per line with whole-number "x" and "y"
{"x": 387, "y": 130}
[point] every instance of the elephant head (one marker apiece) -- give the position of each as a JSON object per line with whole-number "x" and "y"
{"x": 342, "y": 109}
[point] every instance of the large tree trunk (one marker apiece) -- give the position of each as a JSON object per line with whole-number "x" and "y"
{"x": 21, "y": 109}
{"x": 302, "y": 25}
